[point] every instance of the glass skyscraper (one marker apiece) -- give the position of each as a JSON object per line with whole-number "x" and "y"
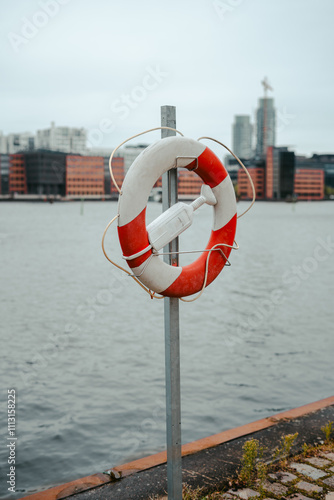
{"x": 242, "y": 136}
{"x": 265, "y": 125}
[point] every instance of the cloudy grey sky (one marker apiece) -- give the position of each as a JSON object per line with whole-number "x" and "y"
{"x": 109, "y": 65}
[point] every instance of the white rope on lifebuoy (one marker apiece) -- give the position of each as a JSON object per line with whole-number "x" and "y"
{"x": 129, "y": 139}
{"x": 242, "y": 166}
{"x": 153, "y": 275}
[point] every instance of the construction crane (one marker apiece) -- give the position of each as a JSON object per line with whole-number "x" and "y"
{"x": 266, "y": 87}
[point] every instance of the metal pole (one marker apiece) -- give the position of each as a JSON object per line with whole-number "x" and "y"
{"x": 172, "y": 333}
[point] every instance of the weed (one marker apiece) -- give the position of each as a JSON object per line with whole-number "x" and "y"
{"x": 327, "y": 430}
{"x": 254, "y": 471}
{"x": 307, "y": 450}
{"x": 282, "y": 452}
{"x": 262, "y": 471}
{"x": 189, "y": 494}
{"x": 252, "y": 453}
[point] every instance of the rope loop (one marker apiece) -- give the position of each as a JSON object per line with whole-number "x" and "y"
{"x": 217, "y": 247}
{"x": 243, "y": 166}
{"x": 129, "y": 139}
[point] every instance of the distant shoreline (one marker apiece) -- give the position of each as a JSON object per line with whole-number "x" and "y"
{"x": 107, "y": 197}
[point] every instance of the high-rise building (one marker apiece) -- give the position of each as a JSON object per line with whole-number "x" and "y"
{"x": 65, "y": 139}
{"x": 3, "y": 143}
{"x": 20, "y": 142}
{"x": 265, "y": 125}
{"x": 242, "y": 131}
{"x": 15, "y": 143}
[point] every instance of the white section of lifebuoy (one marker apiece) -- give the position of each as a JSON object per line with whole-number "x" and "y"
{"x": 158, "y": 158}
{"x": 157, "y": 275}
{"x": 224, "y": 191}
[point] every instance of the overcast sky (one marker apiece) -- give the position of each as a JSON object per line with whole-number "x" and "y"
{"x": 109, "y": 65}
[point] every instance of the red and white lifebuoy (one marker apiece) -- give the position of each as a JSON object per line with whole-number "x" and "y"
{"x": 174, "y": 281}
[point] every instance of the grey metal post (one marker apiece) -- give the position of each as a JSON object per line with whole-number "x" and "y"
{"x": 172, "y": 333}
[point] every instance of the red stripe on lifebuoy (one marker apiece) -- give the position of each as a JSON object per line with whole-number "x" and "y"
{"x": 133, "y": 238}
{"x": 192, "y": 277}
{"x": 210, "y": 168}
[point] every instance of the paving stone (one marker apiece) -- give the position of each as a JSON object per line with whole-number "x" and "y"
{"x": 318, "y": 462}
{"x": 298, "y": 496}
{"x": 328, "y": 455}
{"x": 308, "y": 470}
{"x": 283, "y": 477}
{"x": 329, "y": 481}
{"x": 330, "y": 496}
{"x": 331, "y": 469}
{"x": 275, "y": 488}
{"x": 245, "y": 493}
{"x": 312, "y": 488}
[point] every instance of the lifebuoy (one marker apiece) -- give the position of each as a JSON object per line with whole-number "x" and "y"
{"x": 174, "y": 281}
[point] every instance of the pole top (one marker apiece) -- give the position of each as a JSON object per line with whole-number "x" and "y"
{"x": 168, "y": 119}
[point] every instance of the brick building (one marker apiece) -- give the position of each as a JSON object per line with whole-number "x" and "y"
{"x": 17, "y": 180}
{"x": 323, "y": 162}
{"x": 309, "y": 184}
{"x": 244, "y": 186}
{"x": 84, "y": 175}
{"x": 117, "y": 164}
{"x": 280, "y": 168}
{"x": 189, "y": 183}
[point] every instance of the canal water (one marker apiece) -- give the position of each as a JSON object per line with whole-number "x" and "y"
{"x": 83, "y": 345}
